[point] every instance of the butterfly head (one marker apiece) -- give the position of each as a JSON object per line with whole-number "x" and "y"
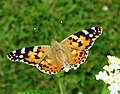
{"x": 55, "y": 45}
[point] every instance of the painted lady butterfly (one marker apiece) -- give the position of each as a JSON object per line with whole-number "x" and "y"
{"x": 68, "y": 54}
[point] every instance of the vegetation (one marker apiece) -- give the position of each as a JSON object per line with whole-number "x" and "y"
{"x": 34, "y": 22}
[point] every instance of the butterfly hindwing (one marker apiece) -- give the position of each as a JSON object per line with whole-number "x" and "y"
{"x": 75, "y": 57}
{"x": 50, "y": 64}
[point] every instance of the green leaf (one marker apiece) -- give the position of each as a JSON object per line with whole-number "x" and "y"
{"x": 105, "y": 90}
{"x": 35, "y": 92}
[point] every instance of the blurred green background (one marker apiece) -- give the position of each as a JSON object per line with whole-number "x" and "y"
{"x": 33, "y": 22}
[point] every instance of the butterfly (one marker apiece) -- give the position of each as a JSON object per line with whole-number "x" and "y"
{"x": 63, "y": 56}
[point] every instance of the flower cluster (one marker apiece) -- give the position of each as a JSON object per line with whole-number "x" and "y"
{"x": 111, "y": 75}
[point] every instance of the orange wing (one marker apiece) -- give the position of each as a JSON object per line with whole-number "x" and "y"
{"x": 77, "y": 45}
{"x": 40, "y": 56}
{"x": 83, "y": 39}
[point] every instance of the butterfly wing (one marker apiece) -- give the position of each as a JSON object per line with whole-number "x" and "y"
{"x": 77, "y": 45}
{"x": 50, "y": 64}
{"x": 40, "y": 56}
{"x": 29, "y": 55}
{"x": 75, "y": 57}
{"x": 74, "y": 51}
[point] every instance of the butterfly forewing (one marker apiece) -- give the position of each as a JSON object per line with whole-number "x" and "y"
{"x": 83, "y": 39}
{"x": 29, "y": 55}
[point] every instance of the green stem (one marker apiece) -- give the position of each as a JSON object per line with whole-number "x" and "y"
{"x": 105, "y": 90}
{"x": 59, "y": 84}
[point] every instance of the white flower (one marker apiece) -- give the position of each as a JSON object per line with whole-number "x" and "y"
{"x": 108, "y": 68}
{"x": 113, "y": 60}
{"x": 114, "y": 88}
{"x": 111, "y": 75}
{"x": 103, "y": 76}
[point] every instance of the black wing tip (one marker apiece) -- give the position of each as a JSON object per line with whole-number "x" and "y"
{"x": 9, "y": 57}
{"x": 97, "y": 28}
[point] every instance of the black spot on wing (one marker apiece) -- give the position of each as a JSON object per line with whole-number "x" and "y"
{"x": 39, "y": 47}
{"x": 10, "y": 54}
{"x": 79, "y": 33}
{"x": 81, "y": 52}
{"x": 36, "y": 57}
{"x": 70, "y": 38}
{"x": 74, "y": 40}
{"x": 37, "y": 51}
{"x": 27, "y": 49}
{"x": 18, "y": 52}
{"x": 79, "y": 44}
{"x": 90, "y": 30}
{"x": 96, "y": 32}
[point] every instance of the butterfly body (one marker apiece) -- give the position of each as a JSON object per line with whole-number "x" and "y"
{"x": 60, "y": 55}
{"x": 63, "y": 56}
{"x": 56, "y": 46}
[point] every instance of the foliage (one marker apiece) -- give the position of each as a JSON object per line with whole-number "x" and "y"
{"x": 35, "y": 92}
{"x": 34, "y": 22}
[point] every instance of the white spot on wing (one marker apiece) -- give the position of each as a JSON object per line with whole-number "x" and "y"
{"x": 21, "y": 56}
{"x": 93, "y": 39}
{"x": 93, "y": 28}
{"x": 94, "y": 33}
{"x": 42, "y": 70}
{"x": 90, "y": 35}
{"x": 11, "y": 59}
{"x": 16, "y": 56}
{"x": 36, "y": 65}
{"x": 32, "y": 64}
{"x": 17, "y": 60}
{"x": 22, "y": 50}
{"x": 47, "y": 72}
{"x": 26, "y": 62}
{"x": 52, "y": 73}
{"x": 13, "y": 52}
{"x": 85, "y": 31}
{"x": 22, "y": 61}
